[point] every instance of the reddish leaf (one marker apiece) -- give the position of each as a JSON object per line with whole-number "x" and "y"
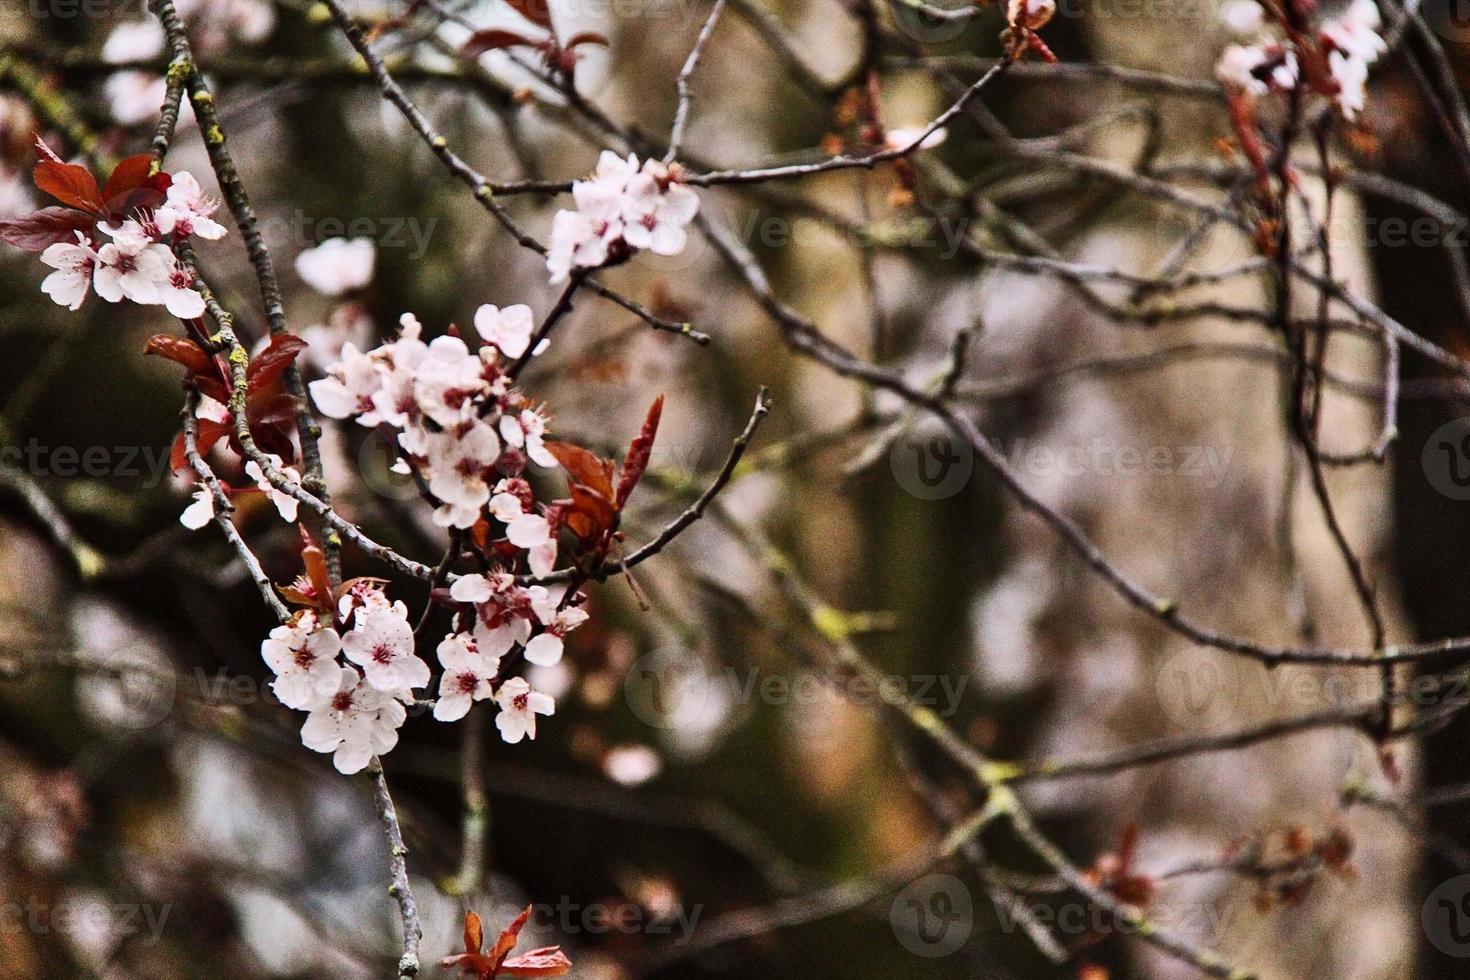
{"x": 474, "y": 933}
{"x": 537, "y": 12}
{"x": 210, "y": 432}
{"x": 45, "y": 227}
{"x": 590, "y": 515}
{"x": 139, "y": 198}
{"x": 638, "y": 452}
{"x": 315, "y": 564}
{"x": 128, "y": 175}
{"x": 508, "y": 937}
{"x": 584, "y": 467}
{"x": 549, "y": 961}
{"x": 493, "y": 40}
{"x": 181, "y": 351}
{"x": 70, "y": 184}
{"x": 213, "y": 387}
{"x": 272, "y": 362}
{"x": 587, "y": 37}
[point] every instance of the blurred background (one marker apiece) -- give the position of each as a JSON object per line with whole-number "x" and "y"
{"x": 706, "y": 802}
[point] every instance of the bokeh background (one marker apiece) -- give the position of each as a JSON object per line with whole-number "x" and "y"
{"x": 161, "y": 820}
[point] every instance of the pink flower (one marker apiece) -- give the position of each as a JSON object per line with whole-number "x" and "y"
{"x": 381, "y": 642}
{"x": 349, "y": 386}
{"x": 178, "y": 294}
{"x": 304, "y": 658}
{"x": 519, "y": 706}
{"x": 200, "y": 512}
{"x": 658, "y": 207}
{"x": 338, "y": 265}
{"x": 459, "y": 464}
{"x": 74, "y": 265}
{"x": 186, "y": 211}
{"x": 467, "y": 678}
{"x": 354, "y": 722}
{"x": 132, "y": 265}
{"x": 527, "y": 430}
{"x": 286, "y": 505}
{"x": 508, "y": 329}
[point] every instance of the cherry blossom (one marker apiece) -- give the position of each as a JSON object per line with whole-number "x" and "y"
{"x": 519, "y": 706}
{"x": 577, "y": 241}
{"x": 200, "y": 512}
{"x": 349, "y": 386}
{"x": 132, "y": 265}
{"x": 186, "y": 210}
{"x": 545, "y": 649}
{"x": 509, "y": 329}
{"x": 178, "y": 294}
{"x": 303, "y": 656}
{"x": 447, "y": 382}
{"x": 621, "y": 205}
{"x": 381, "y": 642}
{"x": 468, "y": 676}
{"x": 134, "y": 96}
{"x": 354, "y": 722}
{"x": 527, "y": 430}
{"x": 134, "y": 40}
{"x": 657, "y": 209}
{"x": 1256, "y": 68}
{"x": 286, "y": 504}
{"x": 460, "y": 464}
{"x": 74, "y": 265}
{"x": 338, "y": 265}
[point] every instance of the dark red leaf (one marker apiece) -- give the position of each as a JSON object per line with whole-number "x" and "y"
{"x": 139, "y": 198}
{"x": 493, "y": 40}
{"x": 129, "y": 174}
{"x": 272, "y": 362}
{"x": 549, "y": 961}
{"x": 70, "y": 184}
{"x": 590, "y": 515}
{"x": 40, "y": 229}
{"x": 584, "y": 467}
{"x": 638, "y": 452}
{"x": 587, "y": 37}
{"x": 181, "y": 351}
{"x": 511, "y": 933}
{"x": 537, "y": 12}
{"x": 210, "y": 432}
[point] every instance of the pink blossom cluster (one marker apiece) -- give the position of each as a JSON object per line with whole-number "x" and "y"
{"x": 1350, "y": 44}
{"x": 137, "y": 263}
{"x": 462, "y": 426}
{"x": 622, "y": 207}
